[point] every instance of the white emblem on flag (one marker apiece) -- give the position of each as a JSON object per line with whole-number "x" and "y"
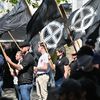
{"x": 82, "y": 19}
{"x": 52, "y": 33}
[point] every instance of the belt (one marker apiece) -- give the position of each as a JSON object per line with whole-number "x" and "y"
{"x": 41, "y": 74}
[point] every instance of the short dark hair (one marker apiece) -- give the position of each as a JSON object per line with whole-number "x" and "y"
{"x": 62, "y": 50}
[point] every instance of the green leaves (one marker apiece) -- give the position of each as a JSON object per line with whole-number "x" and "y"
{"x": 59, "y": 1}
{"x": 13, "y": 1}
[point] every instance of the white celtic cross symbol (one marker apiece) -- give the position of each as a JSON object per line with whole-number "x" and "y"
{"x": 82, "y": 19}
{"x": 52, "y": 33}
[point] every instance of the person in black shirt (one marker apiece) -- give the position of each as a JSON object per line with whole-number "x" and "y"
{"x": 61, "y": 66}
{"x": 25, "y": 75}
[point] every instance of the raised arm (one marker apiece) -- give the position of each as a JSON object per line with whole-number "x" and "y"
{"x": 14, "y": 65}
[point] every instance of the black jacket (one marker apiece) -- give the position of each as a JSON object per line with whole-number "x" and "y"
{"x": 25, "y": 76}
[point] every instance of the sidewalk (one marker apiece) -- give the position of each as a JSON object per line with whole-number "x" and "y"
{"x": 10, "y": 93}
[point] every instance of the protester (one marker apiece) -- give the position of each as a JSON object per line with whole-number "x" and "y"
{"x": 96, "y": 57}
{"x": 42, "y": 73}
{"x": 83, "y": 63}
{"x": 25, "y": 75}
{"x": 84, "y": 66}
{"x": 61, "y": 66}
{"x": 1, "y": 73}
{"x": 14, "y": 73}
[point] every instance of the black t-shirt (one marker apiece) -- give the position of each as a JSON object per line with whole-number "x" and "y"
{"x": 60, "y": 67}
{"x": 25, "y": 76}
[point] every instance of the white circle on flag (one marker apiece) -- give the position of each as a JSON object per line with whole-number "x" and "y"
{"x": 52, "y": 33}
{"x": 82, "y": 19}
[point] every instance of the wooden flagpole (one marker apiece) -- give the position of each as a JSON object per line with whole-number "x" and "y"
{"x": 14, "y": 40}
{"x": 66, "y": 25}
{"x": 63, "y": 15}
{"x": 50, "y": 60}
{"x": 28, "y": 7}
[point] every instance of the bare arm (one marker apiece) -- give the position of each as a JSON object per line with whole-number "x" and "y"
{"x": 14, "y": 65}
{"x": 52, "y": 65}
{"x": 66, "y": 71}
{"x": 43, "y": 68}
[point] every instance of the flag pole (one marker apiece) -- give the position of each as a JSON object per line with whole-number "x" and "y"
{"x": 28, "y": 7}
{"x": 51, "y": 62}
{"x": 14, "y": 40}
{"x": 66, "y": 26}
{"x": 63, "y": 15}
{"x": 4, "y": 53}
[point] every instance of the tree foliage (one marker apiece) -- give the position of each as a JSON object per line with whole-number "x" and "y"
{"x": 15, "y": 1}
{"x": 34, "y": 3}
{"x": 61, "y": 1}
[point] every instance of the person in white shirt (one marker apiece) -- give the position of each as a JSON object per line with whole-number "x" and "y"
{"x": 42, "y": 73}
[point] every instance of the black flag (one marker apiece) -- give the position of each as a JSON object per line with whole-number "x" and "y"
{"x": 15, "y": 21}
{"x": 85, "y": 21}
{"x": 46, "y": 13}
{"x": 48, "y": 21}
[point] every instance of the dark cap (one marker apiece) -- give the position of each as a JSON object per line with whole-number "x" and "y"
{"x": 24, "y": 44}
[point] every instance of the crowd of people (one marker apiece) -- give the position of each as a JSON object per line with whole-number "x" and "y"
{"x": 76, "y": 80}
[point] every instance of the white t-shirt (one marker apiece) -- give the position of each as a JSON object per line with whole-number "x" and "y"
{"x": 43, "y": 59}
